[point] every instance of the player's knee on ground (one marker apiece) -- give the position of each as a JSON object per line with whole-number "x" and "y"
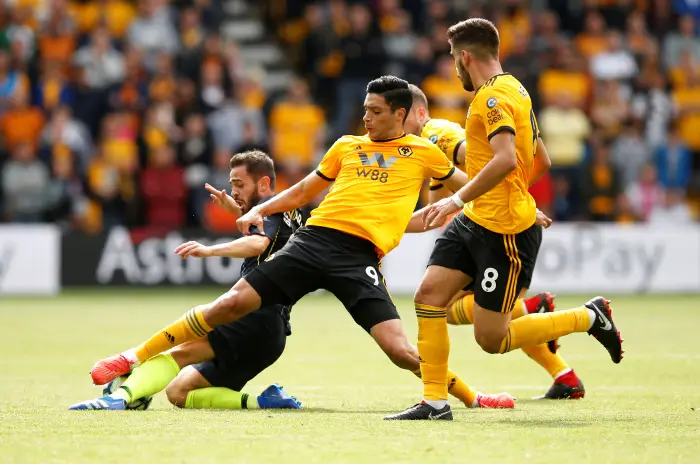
{"x": 177, "y": 394}
{"x": 178, "y": 389}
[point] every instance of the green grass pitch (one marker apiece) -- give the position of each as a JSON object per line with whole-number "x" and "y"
{"x": 635, "y": 412}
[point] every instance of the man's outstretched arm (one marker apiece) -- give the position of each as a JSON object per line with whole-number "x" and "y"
{"x": 295, "y": 196}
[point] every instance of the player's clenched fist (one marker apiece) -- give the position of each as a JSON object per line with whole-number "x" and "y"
{"x": 194, "y": 250}
{"x": 250, "y": 219}
{"x": 223, "y": 199}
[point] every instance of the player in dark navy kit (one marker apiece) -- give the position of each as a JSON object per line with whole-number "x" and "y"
{"x": 232, "y": 354}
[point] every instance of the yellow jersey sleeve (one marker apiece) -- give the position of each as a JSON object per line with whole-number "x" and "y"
{"x": 448, "y": 137}
{"x": 332, "y": 161}
{"x": 437, "y": 165}
{"x": 497, "y": 112}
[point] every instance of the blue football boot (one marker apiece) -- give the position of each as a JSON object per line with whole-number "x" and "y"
{"x": 274, "y": 397}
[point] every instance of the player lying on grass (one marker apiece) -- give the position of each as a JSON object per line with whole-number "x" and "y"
{"x": 209, "y": 372}
{"x": 376, "y": 182}
{"x": 450, "y": 138}
{"x": 494, "y": 241}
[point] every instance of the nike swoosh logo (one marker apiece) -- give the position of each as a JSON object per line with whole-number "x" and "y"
{"x": 438, "y": 416}
{"x": 603, "y": 318}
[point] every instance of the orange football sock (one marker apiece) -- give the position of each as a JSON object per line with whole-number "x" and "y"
{"x": 535, "y": 329}
{"x": 434, "y": 351}
{"x": 189, "y": 327}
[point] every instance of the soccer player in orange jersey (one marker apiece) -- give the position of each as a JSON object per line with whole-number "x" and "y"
{"x": 449, "y": 138}
{"x": 376, "y": 182}
{"x": 494, "y": 241}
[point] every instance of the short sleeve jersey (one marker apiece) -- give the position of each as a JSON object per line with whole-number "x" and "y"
{"x": 448, "y": 136}
{"x": 377, "y": 184}
{"x": 502, "y": 104}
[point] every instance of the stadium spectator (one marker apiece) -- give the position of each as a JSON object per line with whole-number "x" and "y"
{"x": 57, "y": 40}
{"x": 514, "y": 23}
{"x": 320, "y": 61}
{"x": 674, "y": 162}
{"x": 162, "y": 86}
{"x": 686, "y": 99}
{"x": 567, "y": 74}
{"x": 185, "y": 100}
{"x": 593, "y": 39}
{"x": 196, "y": 145}
{"x": 364, "y": 60}
{"x": 297, "y": 130}
{"x": 645, "y": 193}
{"x": 445, "y": 92}
{"x": 53, "y": 88}
{"x": 629, "y": 152}
{"x": 615, "y": 62}
{"x": 599, "y": 185}
{"x": 191, "y": 31}
{"x": 18, "y": 36}
{"x": 131, "y": 94}
{"x": 524, "y": 66}
{"x": 637, "y": 36}
{"x": 565, "y": 128}
{"x": 687, "y": 72}
{"x": 610, "y": 108}
{"x": 152, "y": 32}
{"x": 422, "y": 63}
{"x": 112, "y": 191}
{"x": 24, "y": 181}
{"x": 65, "y": 198}
{"x": 213, "y": 93}
{"x": 164, "y": 190}
{"x": 685, "y": 39}
{"x": 400, "y": 44}
{"x": 102, "y": 62}
{"x": 546, "y": 35}
{"x": 227, "y": 122}
{"x": 64, "y": 133}
{"x": 652, "y": 105}
{"x": 21, "y": 123}
{"x": 12, "y": 82}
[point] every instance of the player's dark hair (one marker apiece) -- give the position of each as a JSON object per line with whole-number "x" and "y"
{"x": 418, "y": 96}
{"x": 394, "y": 90}
{"x": 478, "y": 34}
{"x": 257, "y": 163}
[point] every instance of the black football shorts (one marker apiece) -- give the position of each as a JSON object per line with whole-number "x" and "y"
{"x": 320, "y": 257}
{"x": 500, "y": 265}
{"x": 246, "y": 347}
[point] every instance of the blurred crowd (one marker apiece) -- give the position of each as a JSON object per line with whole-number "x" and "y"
{"x": 615, "y": 84}
{"x": 115, "y": 112}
